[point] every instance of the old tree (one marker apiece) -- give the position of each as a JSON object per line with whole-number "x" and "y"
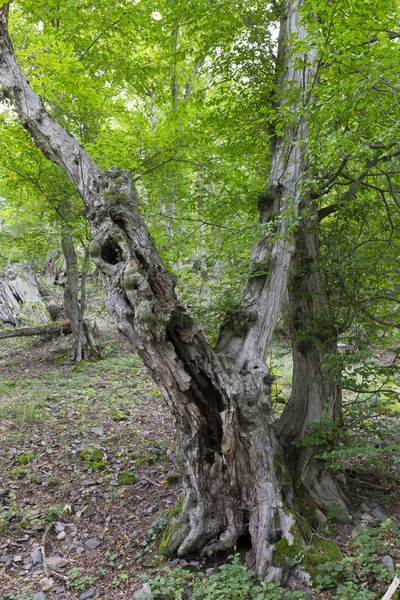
{"x": 242, "y": 476}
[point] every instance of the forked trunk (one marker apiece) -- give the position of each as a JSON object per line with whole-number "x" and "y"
{"x": 315, "y": 399}
{"x": 235, "y": 481}
{"x": 234, "y": 478}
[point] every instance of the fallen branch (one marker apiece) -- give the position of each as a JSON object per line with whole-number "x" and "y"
{"x": 150, "y": 481}
{"x": 60, "y": 577}
{"x": 392, "y": 588}
{"x": 50, "y": 329}
{"x": 47, "y": 571}
{"x": 43, "y": 550}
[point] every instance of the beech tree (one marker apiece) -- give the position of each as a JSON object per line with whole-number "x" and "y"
{"x": 237, "y": 476}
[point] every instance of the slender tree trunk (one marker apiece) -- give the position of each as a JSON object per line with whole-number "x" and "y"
{"x": 71, "y": 294}
{"x": 316, "y": 395}
{"x": 234, "y": 476}
{"x": 73, "y": 301}
{"x": 14, "y": 237}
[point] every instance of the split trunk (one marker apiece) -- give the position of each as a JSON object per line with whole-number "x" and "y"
{"x": 236, "y": 487}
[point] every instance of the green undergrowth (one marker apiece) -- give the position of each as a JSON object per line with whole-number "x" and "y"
{"x": 232, "y": 581}
{"x": 336, "y": 444}
{"x": 357, "y": 575}
{"x": 117, "y": 383}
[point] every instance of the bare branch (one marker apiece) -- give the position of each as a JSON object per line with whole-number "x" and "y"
{"x": 98, "y": 37}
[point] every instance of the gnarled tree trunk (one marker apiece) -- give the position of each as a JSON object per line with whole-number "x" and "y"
{"x": 235, "y": 478}
{"x": 316, "y": 395}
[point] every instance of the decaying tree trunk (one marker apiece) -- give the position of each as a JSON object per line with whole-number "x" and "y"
{"x": 54, "y": 329}
{"x": 315, "y": 395}
{"x": 235, "y": 479}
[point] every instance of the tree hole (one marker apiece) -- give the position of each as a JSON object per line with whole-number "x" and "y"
{"x": 111, "y": 253}
{"x": 244, "y": 543}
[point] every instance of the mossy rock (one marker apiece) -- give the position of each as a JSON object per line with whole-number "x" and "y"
{"x": 93, "y": 456}
{"x": 117, "y": 415}
{"x": 175, "y": 531}
{"x": 308, "y": 558}
{"x": 127, "y": 478}
{"x": 323, "y": 551}
{"x": 25, "y": 458}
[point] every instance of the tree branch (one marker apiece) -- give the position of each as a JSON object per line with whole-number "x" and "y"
{"x": 53, "y": 141}
{"x": 96, "y": 39}
{"x": 327, "y": 210}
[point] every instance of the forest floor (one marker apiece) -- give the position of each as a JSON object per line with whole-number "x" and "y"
{"x": 87, "y": 479}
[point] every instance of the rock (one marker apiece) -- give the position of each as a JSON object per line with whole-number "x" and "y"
{"x": 36, "y": 557}
{"x": 46, "y": 584}
{"x": 388, "y": 563}
{"x": 56, "y": 562}
{"x": 17, "y": 558}
{"x": 59, "y": 527}
{"x": 368, "y": 505}
{"x": 92, "y": 543}
{"x": 366, "y": 517}
{"x": 354, "y": 533}
{"x": 378, "y": 514}
{"x": 89, "y": 594}
{"x": 151, "y": 509}
{"x": 62, "y": 535}
{"x": 59, "y": 591}
{"x": 210, "y": 571}
{"x": 143, "y": 593}
{"x": 20, "y": 299}
{"x": 296, "y": 583}
{"x": 5, "y": 559}
{"x": 194, "y": 563}
{"x": 39, "y": 596}
{"x": 97, "y": 431}
{"x": 369, "y": 520}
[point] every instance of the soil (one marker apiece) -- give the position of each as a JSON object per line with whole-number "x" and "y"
{"x": 104, "y": 523}
{"x": 50, "y": 411}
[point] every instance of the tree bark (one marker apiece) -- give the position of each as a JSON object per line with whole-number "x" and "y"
{"x": 74, "y": 301}
{"x": 316, "y": 394}
{"x": 234, "y": 477}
